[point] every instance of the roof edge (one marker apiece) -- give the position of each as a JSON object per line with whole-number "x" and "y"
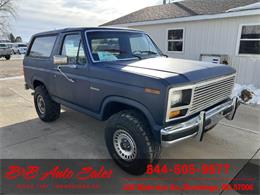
{"x": 191, "y": 18}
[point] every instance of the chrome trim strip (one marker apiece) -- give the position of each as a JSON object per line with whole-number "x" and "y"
{"x": 178, "y": 140}
{"x": 195, "y": 121}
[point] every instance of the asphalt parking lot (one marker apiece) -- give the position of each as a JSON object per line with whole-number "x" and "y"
{"x": 11, "y": 68}
{"x": 75, "y": 135}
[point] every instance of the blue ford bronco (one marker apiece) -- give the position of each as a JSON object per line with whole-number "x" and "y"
{"x": 150, "y": 100}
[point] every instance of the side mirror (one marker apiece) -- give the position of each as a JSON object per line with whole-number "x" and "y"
{"x": 60, "y": 60}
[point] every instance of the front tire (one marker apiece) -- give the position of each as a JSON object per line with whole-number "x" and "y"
{"x": 46, "y": 108}
{"x": 130, "y": 142}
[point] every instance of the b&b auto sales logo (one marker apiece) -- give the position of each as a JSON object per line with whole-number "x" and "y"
{"x": 104, "y": 176}
{"x": 33, "y": 172}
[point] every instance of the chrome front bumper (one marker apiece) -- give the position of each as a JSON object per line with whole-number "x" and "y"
{"x": 196, "y": 126}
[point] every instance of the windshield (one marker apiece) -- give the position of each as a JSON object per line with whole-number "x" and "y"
{"x": 114, "y": 46}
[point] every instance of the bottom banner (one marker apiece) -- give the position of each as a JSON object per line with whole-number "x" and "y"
{"x": 198, "y": 176}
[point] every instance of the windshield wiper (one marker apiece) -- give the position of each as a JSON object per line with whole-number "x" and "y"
{"x": 137, "y": 56}
{"x": 115, "y": 50}
{"x": 144, "y": 51}
{"x": 150, "y": 52}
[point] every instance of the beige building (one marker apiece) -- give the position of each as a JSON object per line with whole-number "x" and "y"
{"x": 220, "y": 31}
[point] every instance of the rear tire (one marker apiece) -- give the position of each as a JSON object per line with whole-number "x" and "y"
{"x": 46, "y": 108}
{"x": 130, "y": 142}
{"x": 7, "y": 57}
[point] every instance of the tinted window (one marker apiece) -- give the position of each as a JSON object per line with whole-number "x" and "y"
{"x": 250, "y": 40}
{"x": 42, "y": 46}
{"x": 73, "y": 49}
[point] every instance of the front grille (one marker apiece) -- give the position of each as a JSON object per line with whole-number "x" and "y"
{"x": 212, "y": 92}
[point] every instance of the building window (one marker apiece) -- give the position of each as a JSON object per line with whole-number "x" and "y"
{"x": 175, "y": 40}
{"x": 249, "y": 40}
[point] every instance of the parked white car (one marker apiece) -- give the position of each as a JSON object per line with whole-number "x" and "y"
{"x": 19, "y": 48}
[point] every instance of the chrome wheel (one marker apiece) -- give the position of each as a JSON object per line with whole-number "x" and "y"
{"x": 124, "y": 145}
{"x": 40, "y": 104}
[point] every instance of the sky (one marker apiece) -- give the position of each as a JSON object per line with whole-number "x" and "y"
{"x": 35, "y": 16}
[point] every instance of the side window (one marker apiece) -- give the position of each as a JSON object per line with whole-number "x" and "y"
{"x": 73, "y": 48}
{"x": 175, "y": 40}
{"x": 42, "y": 46}
{"x": 81, "y": 55}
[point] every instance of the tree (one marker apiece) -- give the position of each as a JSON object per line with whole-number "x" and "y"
{"x": 18, "y": 39}
{"x": 7, "y": 10}
{"x": 11, "y": 37}
{"x": 14, "y": 39}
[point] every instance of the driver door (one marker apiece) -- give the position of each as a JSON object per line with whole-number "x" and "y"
{"x": 75, "y": 88}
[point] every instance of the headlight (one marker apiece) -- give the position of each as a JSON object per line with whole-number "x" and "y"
{"x": 178, "y": 103}
{"x": 176, "y": 98}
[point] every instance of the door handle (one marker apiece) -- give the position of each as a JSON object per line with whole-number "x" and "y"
{"x": 63, "y": 74}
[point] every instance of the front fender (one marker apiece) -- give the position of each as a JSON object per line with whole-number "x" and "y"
{"x": 155, "y": 128}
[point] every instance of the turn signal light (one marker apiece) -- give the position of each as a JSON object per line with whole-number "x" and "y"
{"x": 175, "y": 113}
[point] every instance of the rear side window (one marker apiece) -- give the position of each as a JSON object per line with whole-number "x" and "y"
{"x": 42, "y": 46}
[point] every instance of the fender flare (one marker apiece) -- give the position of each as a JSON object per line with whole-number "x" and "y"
{"x": 133, "y": 103}
{"x": 38, "y": 79}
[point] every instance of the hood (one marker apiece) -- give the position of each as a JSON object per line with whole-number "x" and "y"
{"x": 171, "y": 68}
